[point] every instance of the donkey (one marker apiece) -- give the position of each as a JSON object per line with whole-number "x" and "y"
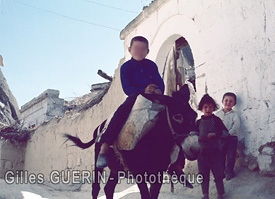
{"x": 156, "y": 150}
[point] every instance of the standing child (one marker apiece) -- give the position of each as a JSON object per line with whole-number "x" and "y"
{"x": 210, "y": 128}
{"x": 229, "y": 143}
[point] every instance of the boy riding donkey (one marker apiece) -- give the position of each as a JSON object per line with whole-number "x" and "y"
{"x": 138, "y": 75}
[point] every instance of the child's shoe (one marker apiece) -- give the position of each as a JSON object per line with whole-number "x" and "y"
{"x": 178, "y": 175}
{"x": 102, "y": 160}
{"x": 229, "y": 177}
{"x": 103, "y": 157}
{"x": 220, "y": 196}
{"x": 205, "y": 196}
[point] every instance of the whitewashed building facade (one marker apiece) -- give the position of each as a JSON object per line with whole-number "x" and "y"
{"x": 233, "y": 49}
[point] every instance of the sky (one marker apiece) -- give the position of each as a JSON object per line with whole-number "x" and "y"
{"x": 60, "y": 44}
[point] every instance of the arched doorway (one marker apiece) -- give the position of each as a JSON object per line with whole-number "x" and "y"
{"x": 179, "y": 68}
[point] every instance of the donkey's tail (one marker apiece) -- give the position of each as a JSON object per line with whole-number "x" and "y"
{"x": 78, "y": 142}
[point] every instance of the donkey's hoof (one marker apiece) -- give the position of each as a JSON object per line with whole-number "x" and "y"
{"x": 189, "y": 185}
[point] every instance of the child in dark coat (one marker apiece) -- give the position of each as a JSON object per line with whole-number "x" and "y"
{"x": 210, "y": 128}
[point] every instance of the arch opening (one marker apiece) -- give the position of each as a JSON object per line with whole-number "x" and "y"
{"x": 178, "y": 66}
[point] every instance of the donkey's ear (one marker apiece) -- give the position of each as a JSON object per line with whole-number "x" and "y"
{"x": 183, "y": 94}
{"x": 159, "y": 99}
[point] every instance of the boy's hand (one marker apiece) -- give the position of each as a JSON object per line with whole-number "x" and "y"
{"x": 158, "y": 91}
{"x": 200, "y": 139}
{"x": 211, "y": 135}
{"x": 150, "y": 88}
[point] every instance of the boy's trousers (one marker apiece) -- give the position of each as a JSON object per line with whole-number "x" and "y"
{"x": 211, "y": 160}
{"x": 118, "y": 120}
{"x": 229, "y": 150}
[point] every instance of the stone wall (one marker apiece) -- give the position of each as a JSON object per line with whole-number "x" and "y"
{"x": 42, "y": 108}
{"x": 11, "y": 157}
{"x": 46, "y": 150}
{"x": 233, "y": 44}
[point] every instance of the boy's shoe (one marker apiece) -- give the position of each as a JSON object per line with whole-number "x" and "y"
{"x": 205, "y": 196}
{"x": 103, "y": 157}
{"x": 178, "y": 175}
{"x": 189, "y": 185}
{"x": 102, "y": 160}
{"x": 220, "y": 196}
{"x": 229, "y": 177}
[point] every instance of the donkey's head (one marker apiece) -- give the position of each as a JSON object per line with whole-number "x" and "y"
{"x": 181, "y": 117}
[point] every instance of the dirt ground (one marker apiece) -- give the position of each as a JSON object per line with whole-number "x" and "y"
{"x": 246, "y": 185}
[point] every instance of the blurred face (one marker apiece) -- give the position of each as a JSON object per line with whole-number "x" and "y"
{"x": 228, "y": 103}
{"x": 138, "y": 50}
{"x": 207, "y": 109}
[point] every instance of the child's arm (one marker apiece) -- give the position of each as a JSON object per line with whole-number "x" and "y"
{"x": 157, "y": 78}
{"x": 220, "y": 127}
{"x": 197, "y": 124}
{"x": 236, "y": 125}
{"x": 198, "y": 130}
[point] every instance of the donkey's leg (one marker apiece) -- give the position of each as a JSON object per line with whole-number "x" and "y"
{"x": 96, "y": 182}
{"x": 109, "y": 188}
{"x": 144, "y": 191}
{"x": 155, "y": 186}
{"x": 97, "y": 174}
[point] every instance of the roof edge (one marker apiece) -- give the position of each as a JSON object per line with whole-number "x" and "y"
{"x": 147, "y": 12}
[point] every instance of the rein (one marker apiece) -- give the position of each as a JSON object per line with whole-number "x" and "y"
{"x": 169, "y": 123}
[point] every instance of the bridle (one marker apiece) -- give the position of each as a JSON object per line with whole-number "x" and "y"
{"x": 175, "y": 135}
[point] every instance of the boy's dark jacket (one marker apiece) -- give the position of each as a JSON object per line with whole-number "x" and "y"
{"x": 210, "y": 124}
{"x": 137, "y": 75}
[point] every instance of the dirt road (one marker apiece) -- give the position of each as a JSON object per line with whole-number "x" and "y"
{"x": 247, "y": 185}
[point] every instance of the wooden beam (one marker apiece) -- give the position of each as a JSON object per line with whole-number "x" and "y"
{"x": 104, "y": 75}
